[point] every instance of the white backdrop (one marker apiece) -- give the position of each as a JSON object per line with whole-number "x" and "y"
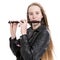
{"x": 16, "y": 10}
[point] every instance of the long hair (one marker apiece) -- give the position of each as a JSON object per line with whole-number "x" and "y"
{"x": 48, "y": 55}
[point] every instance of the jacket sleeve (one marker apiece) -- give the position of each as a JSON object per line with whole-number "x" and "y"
{"x": 38, "y": 48}
{"x": 13, "y": 45}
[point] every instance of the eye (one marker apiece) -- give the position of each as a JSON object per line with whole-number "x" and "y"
{"x": 30, "y": 13}
{"x": 37, "y": 12}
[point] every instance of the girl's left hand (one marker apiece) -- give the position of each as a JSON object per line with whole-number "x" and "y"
{"x": 23, "y": 25}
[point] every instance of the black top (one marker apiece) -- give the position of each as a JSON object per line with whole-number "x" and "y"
{"x": 32, "y": 45}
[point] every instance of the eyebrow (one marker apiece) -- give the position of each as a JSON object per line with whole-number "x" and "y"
{"x": 32, "y": 12}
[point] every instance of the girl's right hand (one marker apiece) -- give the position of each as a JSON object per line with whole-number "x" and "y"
{"x": 13, "y": 28}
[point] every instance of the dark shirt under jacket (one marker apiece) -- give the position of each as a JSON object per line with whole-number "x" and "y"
{"x": 32, "y": 45}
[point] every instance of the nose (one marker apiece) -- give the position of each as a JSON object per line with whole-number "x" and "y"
{"x": 34, "y": 16}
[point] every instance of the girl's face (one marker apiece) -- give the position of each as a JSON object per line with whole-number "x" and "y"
{"x": 35, "y": 13}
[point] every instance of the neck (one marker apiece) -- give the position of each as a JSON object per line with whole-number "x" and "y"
{"x": 35, "y": 25}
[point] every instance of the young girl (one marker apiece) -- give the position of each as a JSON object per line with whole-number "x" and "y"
{"x": 35, "y": 42}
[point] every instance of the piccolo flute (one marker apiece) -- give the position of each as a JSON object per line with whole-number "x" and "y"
{"x": 23, "y": 22}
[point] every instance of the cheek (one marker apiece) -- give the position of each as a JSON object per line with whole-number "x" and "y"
{"x": 40, "y": 16}
{"x": 30, "y": 17}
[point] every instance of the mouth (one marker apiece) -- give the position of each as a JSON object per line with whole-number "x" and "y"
{"x": 34, "y": 21}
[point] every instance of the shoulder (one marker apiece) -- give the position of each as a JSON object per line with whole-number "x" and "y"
{"x": 45, "y": 32}
{"x": 45, "y": 35}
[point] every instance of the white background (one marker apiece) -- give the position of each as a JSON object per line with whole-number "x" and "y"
{"x": 16, "y": 10}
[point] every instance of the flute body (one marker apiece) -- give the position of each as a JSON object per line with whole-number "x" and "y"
{"x": 23, "y": 22}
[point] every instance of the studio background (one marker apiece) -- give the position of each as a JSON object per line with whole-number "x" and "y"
{"x": 16, "y": 10}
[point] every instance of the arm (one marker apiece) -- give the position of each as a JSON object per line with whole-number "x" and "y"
{"x": 13, "y": 41}
{"x": 36, "y": 51}
{"x": 13, "y": 45}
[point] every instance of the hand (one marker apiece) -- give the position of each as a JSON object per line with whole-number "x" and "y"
{"x": 13, "y": 28}
{"x": 23, "y": 25}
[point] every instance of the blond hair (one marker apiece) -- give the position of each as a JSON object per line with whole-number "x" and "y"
{"x": 48, "y": 53}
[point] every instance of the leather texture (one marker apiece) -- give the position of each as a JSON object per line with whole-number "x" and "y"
{"x": 32, "y": 45}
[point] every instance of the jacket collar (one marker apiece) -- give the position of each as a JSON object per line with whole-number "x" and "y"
{"x": 40, "y": 28}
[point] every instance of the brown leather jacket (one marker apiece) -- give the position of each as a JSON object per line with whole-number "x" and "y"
{"x": 32, "y": 45}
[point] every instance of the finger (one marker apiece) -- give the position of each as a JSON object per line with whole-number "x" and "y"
{"x": 14, "y": 23}
{"x": 21, "y": 22}
{"x": 25, "y": 21}
{"x": 14, "y": 26}
{"x": 11, "y": 29}
{"x": 11, "y": 26}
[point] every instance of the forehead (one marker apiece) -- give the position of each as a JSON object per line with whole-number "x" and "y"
{"x": 34, "y": 8}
